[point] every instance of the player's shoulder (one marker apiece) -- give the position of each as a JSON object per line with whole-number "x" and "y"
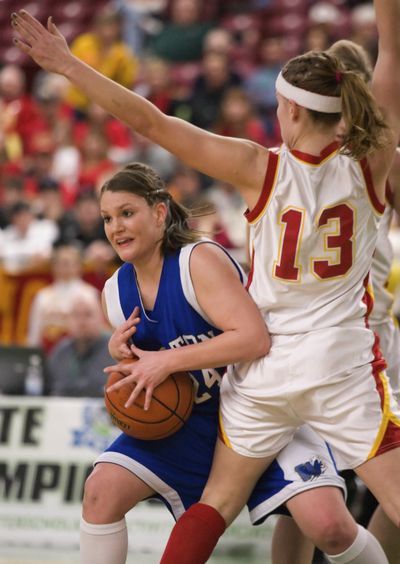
{"x": 209, "y": 258}
{"x": 207, "y": 250}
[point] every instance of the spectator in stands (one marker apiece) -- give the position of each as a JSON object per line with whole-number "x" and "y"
{"x": 85, "y": 228}
{"x": 209, "y": 88}
{"x": 260, "y": 84}
{"x": 156, "y": 84}
{"x": 364, "y": 29}
{"x": 103, "y": 49}
{"x": 238, "y": 118}
{"x": 94, "y": 158}
{"x": 27, "y": 241}
{"x": 181, "y": 38}
{"x": 140, "y": 19}
{"x": 38, "y": 167}
{"x": 325, "y": 16}
{"x": 317, "y": 38}
{"x": 51, "y": 305}
{"x": 185, "y": 186}
{"x": 155, "y": 156}
{"x": 49, "y": 91}
{"x": 219, "y": 40}
{"x": 11, "y": 192}
{"x": 86, "y": 225}
{"x": 118, "y": 136}
{"x": 49, "y": 203}
{"x": 75, "y": 365}
{"x": 230, "y": 207}
{"x": 19, "y": 114}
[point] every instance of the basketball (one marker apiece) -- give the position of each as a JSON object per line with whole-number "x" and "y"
{"x": 170, "y": 407}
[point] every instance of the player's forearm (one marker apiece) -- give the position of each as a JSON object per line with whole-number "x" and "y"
{"x": 227, "y": 348}
{"x": 388, "y": 22}
{"x": 137, "y": 112}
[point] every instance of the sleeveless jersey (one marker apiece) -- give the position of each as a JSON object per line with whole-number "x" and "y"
{"x": 176, "y": 319}
{"x": 381, "y": 265}
{"x": 313, "y": 232}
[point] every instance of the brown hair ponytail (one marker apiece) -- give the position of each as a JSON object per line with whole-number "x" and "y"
{"x": 322, "y": 73}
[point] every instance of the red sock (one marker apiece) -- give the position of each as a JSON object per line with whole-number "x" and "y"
{"x": 194, "y": 536}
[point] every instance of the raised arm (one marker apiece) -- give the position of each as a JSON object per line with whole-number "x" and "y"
{"x": 394, "y": 179}
{"x": 236, "y": 161}
{"x": 386, "y": 78}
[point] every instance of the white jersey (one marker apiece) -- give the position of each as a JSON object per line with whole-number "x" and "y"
{"x": 312, "y": 234}
{"x": 381, "y": 265}
{"x": 381, "y": 319}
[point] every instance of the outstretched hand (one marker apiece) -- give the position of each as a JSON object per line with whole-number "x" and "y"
{"x": 47, "y": 47}
{"x": 147, "y": 372}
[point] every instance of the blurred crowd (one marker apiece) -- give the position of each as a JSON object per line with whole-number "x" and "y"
{"x": 210, "y": 62}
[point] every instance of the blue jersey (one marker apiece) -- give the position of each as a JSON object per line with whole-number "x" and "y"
{"x": 178, "y": 466}
{"x": 175, "y": 321}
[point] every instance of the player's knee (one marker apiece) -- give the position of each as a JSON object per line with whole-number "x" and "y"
{"x": 93, "y": 494}
{"x": 98, "y": 505}
{"x": 333, "y": 535}
{"x": 226, "y": 505}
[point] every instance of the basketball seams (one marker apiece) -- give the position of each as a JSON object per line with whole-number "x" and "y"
{"x": 179, "y": 392}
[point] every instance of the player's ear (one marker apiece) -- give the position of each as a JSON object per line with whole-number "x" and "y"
{"x": 161, "y": 211}
{"x": 294, "y": 110}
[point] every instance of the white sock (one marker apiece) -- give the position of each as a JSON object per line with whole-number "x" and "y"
{"x": 364, "y": 550}
{"x": 103, "y": 544}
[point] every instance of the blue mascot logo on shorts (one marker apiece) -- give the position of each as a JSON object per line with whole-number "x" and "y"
{"x": 311, "y": 469}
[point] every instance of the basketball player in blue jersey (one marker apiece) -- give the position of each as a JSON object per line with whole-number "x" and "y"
{"x": 314, "y": 213}
{"x": 185, "y": 295}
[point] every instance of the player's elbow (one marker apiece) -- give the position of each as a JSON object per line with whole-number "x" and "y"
{"x": 258, "y": 343}
{"x": 263, "y": 345}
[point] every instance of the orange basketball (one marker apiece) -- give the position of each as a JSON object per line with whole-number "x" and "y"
{"x": 170, "y": 407}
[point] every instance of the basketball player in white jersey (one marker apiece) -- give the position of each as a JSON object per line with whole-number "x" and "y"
{"x": 381, "y": 320}
{"x": 314, "y": 214}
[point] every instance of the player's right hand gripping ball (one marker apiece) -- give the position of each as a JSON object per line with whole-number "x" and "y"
{"x": 171, "y": 405}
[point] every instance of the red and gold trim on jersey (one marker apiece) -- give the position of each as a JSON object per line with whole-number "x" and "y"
{"x": 221, "y": 432}
{"x": 389, "y": 194}
{"x": 369, "y": 183}
{"x": 317, "y": 160}
{"x": 388, "y": 436}
{"x": 267, "y": 190}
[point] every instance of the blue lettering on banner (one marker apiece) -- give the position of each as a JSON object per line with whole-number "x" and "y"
{"x": 96, "y": 431}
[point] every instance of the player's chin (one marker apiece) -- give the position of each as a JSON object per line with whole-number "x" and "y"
{"x": 126, "y": 253}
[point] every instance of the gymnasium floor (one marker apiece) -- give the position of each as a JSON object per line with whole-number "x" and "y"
{"x": 29, "y": 556}
{"x": 255, "y": 552}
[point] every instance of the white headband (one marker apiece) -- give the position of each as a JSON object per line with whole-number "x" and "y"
{"x": 310, "y": 100}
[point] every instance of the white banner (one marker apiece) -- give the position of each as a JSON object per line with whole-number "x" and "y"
{"x": 47, "y": 447}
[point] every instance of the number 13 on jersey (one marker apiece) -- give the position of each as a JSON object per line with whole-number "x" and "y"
{"x": 336, "y": 225}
